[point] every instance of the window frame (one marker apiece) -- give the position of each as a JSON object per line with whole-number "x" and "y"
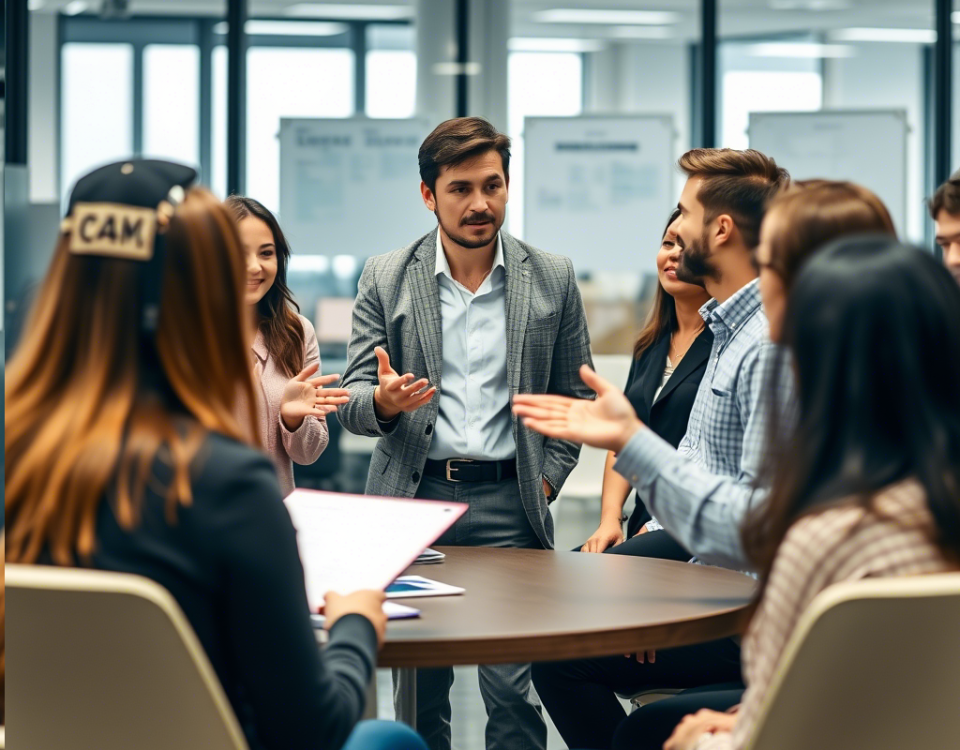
{"x": 141, "y": 31}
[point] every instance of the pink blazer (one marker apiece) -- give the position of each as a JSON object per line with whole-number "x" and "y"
{"x": 284, "y": 447}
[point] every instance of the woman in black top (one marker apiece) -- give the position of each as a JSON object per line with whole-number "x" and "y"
{"x": 669, "y": 360}
{"x": 124, "y": 452}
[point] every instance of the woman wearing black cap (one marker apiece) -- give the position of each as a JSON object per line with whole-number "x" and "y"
{"x": 124, "y": 452}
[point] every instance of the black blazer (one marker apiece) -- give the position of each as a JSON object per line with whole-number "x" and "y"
{"x": 669, "y": 414}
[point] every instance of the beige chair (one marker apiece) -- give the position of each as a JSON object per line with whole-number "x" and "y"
{"x": 107, "y": 661}
{"x": 873, "y": 664}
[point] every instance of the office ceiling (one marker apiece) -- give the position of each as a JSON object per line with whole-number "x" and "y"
{"x": 737, "y": 17}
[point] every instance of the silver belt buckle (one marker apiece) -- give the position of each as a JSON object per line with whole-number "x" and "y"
{"x": 453, "y": 468}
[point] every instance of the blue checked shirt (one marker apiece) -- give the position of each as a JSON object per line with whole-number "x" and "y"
{"x": 701, "y": 491}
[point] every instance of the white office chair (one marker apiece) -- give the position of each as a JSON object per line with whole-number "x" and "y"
{"x": 107, "y": 661}
{"x": 873, "y": 664}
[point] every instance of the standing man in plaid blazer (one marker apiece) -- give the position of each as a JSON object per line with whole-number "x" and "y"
{"x": 445, "y": 332}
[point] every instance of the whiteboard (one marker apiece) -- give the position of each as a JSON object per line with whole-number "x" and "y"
{"x": 862, "y": 146}
{"x": 599, "y": 189}
{"x": 351, "y": 187}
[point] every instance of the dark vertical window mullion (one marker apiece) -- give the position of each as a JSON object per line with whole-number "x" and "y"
{"x": 15, "y": 95}
{"x": 138, "y": 100}
{"x": 708, "y": 73}
{"x": 358, "y": 33}
{"x": 943, "y": 72}
{"x": 236, "y": 94}
{"x": 463, "y": 55}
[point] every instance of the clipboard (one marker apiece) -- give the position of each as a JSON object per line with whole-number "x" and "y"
{"x": 353, "y": 542}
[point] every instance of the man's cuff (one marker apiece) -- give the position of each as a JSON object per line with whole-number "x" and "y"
{"x": 644, "y": 457}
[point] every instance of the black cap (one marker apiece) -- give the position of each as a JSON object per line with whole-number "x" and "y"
{"x": 119, "y": 211}
{"x": 143, "y": 183}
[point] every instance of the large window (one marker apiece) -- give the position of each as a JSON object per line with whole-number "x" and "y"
{"x": 171, "y": 102}
{"x": 285, "y": 82}
{"x": 391, "y": 65}
{"x": 539, "y": 84}
{"x": 96, "y": 107}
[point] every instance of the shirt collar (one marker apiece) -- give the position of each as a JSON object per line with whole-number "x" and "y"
{"x": 443, "y": 267}
{"x": 735, "y": 311}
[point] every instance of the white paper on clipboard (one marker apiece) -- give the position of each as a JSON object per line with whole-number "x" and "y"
{"x": 353, "y": 542}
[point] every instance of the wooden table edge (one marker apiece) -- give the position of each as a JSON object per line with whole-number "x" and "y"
{"x": 454, "y": 651}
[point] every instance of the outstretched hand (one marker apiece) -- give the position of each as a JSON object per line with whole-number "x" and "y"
{"x": 397, "y": 393}
{"x": 304, "y": 396}
{"x": 607, "y": 422}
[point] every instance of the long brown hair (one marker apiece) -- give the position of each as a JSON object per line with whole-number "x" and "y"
{"x": 282, "y": 329}
{"x": 813, "y": 212}
{"x": 870, "y": 334}
{"x": 92, "y": 404}
{"x": 663, "y": 315}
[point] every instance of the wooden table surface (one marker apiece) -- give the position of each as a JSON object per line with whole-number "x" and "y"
{"x": 536, "y": 605}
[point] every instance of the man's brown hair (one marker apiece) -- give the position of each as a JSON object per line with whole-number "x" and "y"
{"x": 457, "y": 141}
{"x": 737, "y": 183}
{"x": 947, "y": 197}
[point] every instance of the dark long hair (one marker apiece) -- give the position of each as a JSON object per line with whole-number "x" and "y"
{"x": 663, "y": 315}
{"x": 872, "y": 330}
{"x": 282, "y": 329}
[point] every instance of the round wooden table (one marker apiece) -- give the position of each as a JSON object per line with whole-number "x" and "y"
{"x": 535, "y": 605}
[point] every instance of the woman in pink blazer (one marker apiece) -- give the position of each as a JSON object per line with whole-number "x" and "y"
{"x": 284, "y": 354}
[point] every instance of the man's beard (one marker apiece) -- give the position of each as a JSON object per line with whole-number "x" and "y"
{"x": 695, "y": 266}
{"x": 471, "y": 243}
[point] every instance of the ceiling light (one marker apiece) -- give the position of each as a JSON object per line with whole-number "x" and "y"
{"x": 915, "y": 36}
{"x": 286, "y": 28}
{"x": 642, "y": 32}
{"x": 955, "y": 16}
{"x": 34, "y": 4}
{"x": 799, "y": 49}
{"x": 351, "y": 12}
{"x": 609, "y": 17}
{"x": 810, "y": 4}
{"x": 76, "y": 7}
{"x": 547, "y": 44}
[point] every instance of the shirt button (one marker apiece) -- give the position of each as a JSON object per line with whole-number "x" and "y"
{"x": 416, "y": 476}
{"x": 634, "y": 479}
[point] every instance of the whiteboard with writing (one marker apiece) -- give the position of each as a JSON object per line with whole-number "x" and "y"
{"x": 599, "y": 189}
{"x": 351, "y": 187}
{"x": 862, "y": 146}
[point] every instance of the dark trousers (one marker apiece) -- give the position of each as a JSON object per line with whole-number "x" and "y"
{"x": 495, "y": 518}
{"x": 580, "y": 695}
{"x": 650, "y": 726}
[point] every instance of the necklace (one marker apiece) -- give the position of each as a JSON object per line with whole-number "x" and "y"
{"x": 681, "y": 354}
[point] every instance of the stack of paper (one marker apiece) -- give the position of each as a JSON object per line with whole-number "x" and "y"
{"x": 353, "y": 542}
{"x": 409, "y": 586}
{"x": 429, "y": 557}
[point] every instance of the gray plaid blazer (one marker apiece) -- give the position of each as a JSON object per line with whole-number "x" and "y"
{"x": 398, "y": 308}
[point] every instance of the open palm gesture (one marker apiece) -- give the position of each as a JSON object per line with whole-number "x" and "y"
{"x": 304, "y": 397}
{"x": 607, "y": 422}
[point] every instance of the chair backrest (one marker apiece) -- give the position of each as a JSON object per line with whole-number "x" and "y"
{"x": 107, "y": 661}
{"x": 873, "y": 664}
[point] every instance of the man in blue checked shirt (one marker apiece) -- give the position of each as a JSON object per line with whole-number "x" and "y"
{"x": 701, "y": 491}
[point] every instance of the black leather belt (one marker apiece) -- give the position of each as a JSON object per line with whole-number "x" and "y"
{"x": 467, "y": 470}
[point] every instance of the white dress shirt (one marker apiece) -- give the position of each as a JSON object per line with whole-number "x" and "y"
{"x": 474, "y": 419}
